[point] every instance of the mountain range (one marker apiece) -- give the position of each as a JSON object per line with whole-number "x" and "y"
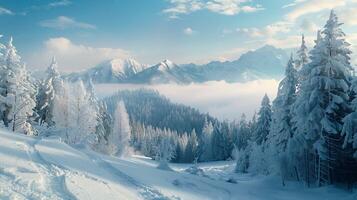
{"x": 264, "y": 63}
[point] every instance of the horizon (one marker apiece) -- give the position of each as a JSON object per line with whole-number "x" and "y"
{"x": 152, "y": 31}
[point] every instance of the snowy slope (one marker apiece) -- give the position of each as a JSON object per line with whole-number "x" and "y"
{"x": 32, "y": 168}
{"x": 112, "y": 71}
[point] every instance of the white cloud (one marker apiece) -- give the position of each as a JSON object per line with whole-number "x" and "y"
{"x": 267, "y": 31}
{"x": 188, "y": 31}
{"x": 293, "y": 3}
{"x": 313, "y": 6}
{"x": 308, "y": 26}
{"x": 63, "y": 22}
{"x": 59, "y": 3}
{"x": 4, "y": 11}
{"x": 229, "y": 101}
{"x": 71, "y": 56}
{"x": 224, "y": 7}
{"x": 348, "y": 15}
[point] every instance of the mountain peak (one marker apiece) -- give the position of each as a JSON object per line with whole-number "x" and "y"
{"x": 119, "y": 65}
{"x": 166, "y": 65}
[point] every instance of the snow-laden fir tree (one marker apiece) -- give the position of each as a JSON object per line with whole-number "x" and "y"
{"x": 323, "y": 102}
{"x": 349, "y": 130}
{"x": 83, "y": 116}
{"x": 103, "y": 119}
{"x": 103, "y": 128}
{"x": 191, "y": 148}
{"x": 262, "y": 127}
{"x": 74, "y": 115}
{"x": 206, "y": 144}
{"x": 118, "y": 140}
{"x": 302, "y": 57}
{"x": 48, "y": 88}
{"x": 281, "y": 128}
{"x": 301, "y": 60}
{"x": 165, "y": 151}
{"x": 258, "y": 161}
{"x": 243, "y": 133}
{"x": 17, "y": 93}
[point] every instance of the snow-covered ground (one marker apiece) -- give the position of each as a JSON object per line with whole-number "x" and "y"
{"x": 33, "y": 168}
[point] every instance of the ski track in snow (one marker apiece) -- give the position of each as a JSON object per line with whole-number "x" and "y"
{"x": 145, "y": 191}
{"x": 52, "y": 182}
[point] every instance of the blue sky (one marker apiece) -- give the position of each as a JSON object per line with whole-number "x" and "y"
{"x": 83, "y": 33}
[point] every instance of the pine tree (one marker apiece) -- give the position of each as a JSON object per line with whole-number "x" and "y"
{"x": 349, "y": 130}
{"x": 165, "y": 151}
{"x": 48, "y": 88}
{"x": 17, "y": 93}
{"x": 118, "y": 140}
{"x": 74, "y": 115}
{"x": 103, "y": 128}
{"x": 264, "y": 120}
{"x": 302, "y": 55}
{"x": 301, "y": 61}
{"x": 243, "y": 133}
{"x": 191, "y": 148}
{"x": 217, "y": 143}
{"x": 323, "y": 101}
{"x": 281, "y": 129}
{"x": 206, "y": 144}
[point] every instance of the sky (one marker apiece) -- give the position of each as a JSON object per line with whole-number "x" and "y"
{"x": 83, "y": 33}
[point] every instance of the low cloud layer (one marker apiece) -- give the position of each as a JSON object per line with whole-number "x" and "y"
{"x": 221, "y": 99}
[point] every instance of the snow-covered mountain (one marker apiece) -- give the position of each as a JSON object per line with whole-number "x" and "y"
{"x": 112, "y": 71}
{"x": 265, "y": 62}
{"x": 163, "y": 72}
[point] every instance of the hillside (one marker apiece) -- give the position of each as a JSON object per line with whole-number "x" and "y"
{"x": 151, "y": 108}
{"x": 34, "y": 168}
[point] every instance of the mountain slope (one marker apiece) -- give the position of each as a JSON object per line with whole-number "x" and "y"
{"x": 266, "y": 62}
{"x": 151, "y": 108}
{"x": 112, "y": 71}
{"x": 35, "y": 168}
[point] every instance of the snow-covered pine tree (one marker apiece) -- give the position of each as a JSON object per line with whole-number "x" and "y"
{"x": 48, "y": 87}
{"x": 323, "y": 103}
{"x": 118, "y": 140}
{"x": 243, "y": 134}
{"x": 301, "y": 60}
{"x": 103, "y": 119}
{"x": 61, "y": 113}
{"x": 17, "y": 93}
{"x": 191, "y": 148}
{"x": 165, "y": 151}
{"x": 302, "y": 55}
{"x": 264, "y": 120}
{"x": 281, "y": 128}
{"x": 206, "y": 144}
{"x": 57, "y": 80}
{"x": 103, "y": 128}
{"x": 83, "y": 116}
{"x": 300, "y": 147}
{"x": 74, "y": 115}
{"x": 217, "y": 143}
{"x": 349, "y": 130}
